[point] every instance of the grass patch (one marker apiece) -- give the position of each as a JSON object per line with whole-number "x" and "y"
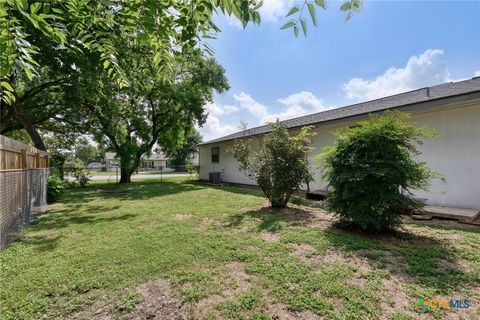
{"x": 227, "y": 258}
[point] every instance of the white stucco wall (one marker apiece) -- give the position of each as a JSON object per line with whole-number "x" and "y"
{"x": 227, "y": 164}
{"x": 455, "y": 154}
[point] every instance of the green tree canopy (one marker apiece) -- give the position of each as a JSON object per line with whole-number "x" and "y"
{"x": 86, "y": 151}
{"x": 48, "y": 47}
{"x": 85, "y": 26}
{"x": 49, "y": 101}
{"x": 186, "y": 150}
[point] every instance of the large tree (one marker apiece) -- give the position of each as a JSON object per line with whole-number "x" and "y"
{"x": 45, "y": 45}
{"x": 186, "y": 150}
{"x": 152, "y": 110}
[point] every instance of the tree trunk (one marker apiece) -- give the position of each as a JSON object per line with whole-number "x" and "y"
{"x": 128, "y": 164}
{"x": 29, "y": 127}
{"x": 125, "y": 175}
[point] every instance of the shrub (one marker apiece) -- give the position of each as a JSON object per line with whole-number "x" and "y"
{"x": 193, "y": 169}
{"x": 280, "y": 167}
{"x": 55, "y": 187}
{"x": 372, "y": 169}
{"x": 81, "y": 175}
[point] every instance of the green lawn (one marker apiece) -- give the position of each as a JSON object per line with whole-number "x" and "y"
{"x": 109, "y": 251}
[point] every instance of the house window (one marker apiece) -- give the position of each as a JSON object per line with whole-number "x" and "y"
{"x": 216, "y": 154}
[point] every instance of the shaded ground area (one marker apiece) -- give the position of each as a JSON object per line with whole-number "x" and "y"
{"x": 176, "y": 250}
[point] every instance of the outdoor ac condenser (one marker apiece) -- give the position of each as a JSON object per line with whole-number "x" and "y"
{"x": 215, "y": 177}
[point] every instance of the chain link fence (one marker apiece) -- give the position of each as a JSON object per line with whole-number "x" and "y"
{"x": 23, "y": 194}
{"x": 112, "y": 173}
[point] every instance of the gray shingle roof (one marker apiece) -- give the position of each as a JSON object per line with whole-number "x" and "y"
{"x": 399, "y": 100}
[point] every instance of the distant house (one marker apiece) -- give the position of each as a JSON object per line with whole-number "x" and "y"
{"x": 451, "y": 108}
{"x": 69, "y": 164}
{"x": 154, "y": 160}
{"x": 94, "y": 165}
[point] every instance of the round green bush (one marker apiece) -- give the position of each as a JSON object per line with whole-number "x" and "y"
{"x": 373, "y": 169}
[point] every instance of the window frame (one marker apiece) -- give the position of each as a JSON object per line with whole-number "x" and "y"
{"x": 217, "y": 154}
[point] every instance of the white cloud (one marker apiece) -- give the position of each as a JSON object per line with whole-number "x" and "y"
{"x": 247, "y": 102}
{"x": 216, "y": 110}
{"x": 477, "y": 73}
{"x": 274, "y": 10}
{"x": 220, "y": 123}
{"x": 230, "y": 109}
{"x": 213, "y": 128}
{"x": 298, "y": 104}
{"x": 234, "y": 22}
{"x": 427, "y": 69}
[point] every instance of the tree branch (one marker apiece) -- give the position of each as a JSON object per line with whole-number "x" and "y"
{"x": 36, "y": 90}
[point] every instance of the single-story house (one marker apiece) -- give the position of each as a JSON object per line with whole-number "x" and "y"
{"x": 154, "y": 160}
{"x": 451, "y": 108}
{"x": 94, "y": 165}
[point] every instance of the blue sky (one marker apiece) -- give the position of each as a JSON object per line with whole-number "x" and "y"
{"x": 390, "y": 47}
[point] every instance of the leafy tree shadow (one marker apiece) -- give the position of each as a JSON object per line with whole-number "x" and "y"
{"x": 271, "y": 219}
{"x": 41, "y": 243}
{"x": 237, "y": 189}
{"x": 126, "y": 192}
{"x": 64, "y": 218}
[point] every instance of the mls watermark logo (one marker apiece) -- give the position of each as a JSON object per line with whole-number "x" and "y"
{"x": 427, "y": 305}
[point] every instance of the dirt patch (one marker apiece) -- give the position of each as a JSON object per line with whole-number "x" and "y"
{"x": 459, "y": 265}
{"x": 182, "y": 216}
{"x": 393, "y": 263}
{"x": 158, "y": 302}
{"x": 279, "y": 312}
{"x": 305, "y": 252}
{"x": 303, "y": 216}
{"x": 99, "y": 307}
{"x": 394, "y": 293}
{"x": 205, "y": 223}
{"x": 269, "y": 236}
{"x": 242, "y": 279}
{"x": 240, "y": 284}
{"x": 395, "y": 297}
{"x": 308, "y": 254}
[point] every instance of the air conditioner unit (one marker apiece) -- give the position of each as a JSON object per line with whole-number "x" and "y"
{"x": 215, "y": 177}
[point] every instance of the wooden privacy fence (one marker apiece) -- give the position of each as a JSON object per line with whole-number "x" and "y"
{"x": 23, "y": 186}
{"x": 15, "y": 155}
